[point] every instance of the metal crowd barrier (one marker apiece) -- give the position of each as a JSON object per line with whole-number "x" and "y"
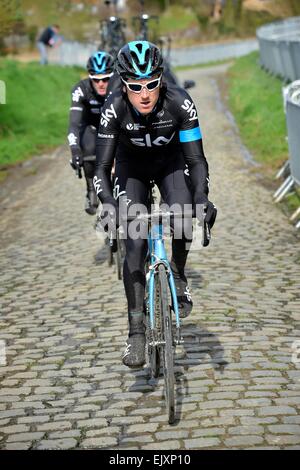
{"x": 72, "y": 53}
{"x": 279, "y": 45}
{"x": 76, "y": 53}
{"x": 291, "y": 169}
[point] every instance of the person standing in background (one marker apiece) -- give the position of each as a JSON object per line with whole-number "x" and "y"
{"x": 48, "y": 38}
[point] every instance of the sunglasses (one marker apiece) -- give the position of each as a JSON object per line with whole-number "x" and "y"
{"x": 137, "y": 87}
{"x": 104, "y": 79}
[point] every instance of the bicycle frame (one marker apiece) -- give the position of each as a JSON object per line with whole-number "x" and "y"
{"x": 158, "y": 256}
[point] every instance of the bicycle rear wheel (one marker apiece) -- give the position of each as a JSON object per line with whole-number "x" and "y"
{"x": 167, "y": 348}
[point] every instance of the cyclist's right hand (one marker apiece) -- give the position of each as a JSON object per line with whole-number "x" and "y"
{"x": 109, "y": 217}
{"x": 77, "y": 161}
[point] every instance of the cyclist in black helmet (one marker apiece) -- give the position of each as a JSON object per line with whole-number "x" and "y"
{"x": 88, "y": 97}
{"x": 151, "y": 128}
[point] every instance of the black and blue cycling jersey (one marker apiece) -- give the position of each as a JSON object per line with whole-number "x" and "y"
{"x": 156, "y": 147}
{"x": 149, "y": 142}
{"x": 85, "y": 112}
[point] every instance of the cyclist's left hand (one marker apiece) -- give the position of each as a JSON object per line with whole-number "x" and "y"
{"x": 210, "y": 211}
{"x": 211, "y": 214}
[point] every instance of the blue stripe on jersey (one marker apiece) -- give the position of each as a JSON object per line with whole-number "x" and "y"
{"x": 190, "y": 135}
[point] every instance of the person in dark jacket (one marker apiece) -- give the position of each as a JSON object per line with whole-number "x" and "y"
{"x": 48, "y": 38}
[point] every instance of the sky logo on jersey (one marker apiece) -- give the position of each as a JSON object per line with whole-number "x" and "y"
{"x": 120, "y": 194}
{"x": 186, "y": 171}
{"x": 77, "y": 94}
{"x": 189, "y": 107}
{"x": 97, "y": 185}
{"x": 146, "y": 142}
{"x": 106, "y": 117}
{"x": 72, "y": 139}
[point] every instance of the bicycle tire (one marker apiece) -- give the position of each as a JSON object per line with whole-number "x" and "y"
{"x": 153, "y": 353}
{"x": 167, "y": 348}
{"x": 154, "y": 356}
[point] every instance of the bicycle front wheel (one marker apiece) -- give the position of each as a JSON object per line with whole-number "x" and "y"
{"x": 167, "y": 348}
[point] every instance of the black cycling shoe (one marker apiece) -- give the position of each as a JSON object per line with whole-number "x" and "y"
{"x": 184, "y": 297}
{"x": 134, "y": 354}
{"x": 91, "y": 203}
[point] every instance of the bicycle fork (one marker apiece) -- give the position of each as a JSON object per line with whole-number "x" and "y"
{"x": 153, "y": 270}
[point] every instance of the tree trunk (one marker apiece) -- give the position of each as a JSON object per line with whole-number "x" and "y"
{"x": 217, "y": 10}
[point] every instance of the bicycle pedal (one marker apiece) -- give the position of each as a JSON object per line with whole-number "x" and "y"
{"x": 179, "y": 341}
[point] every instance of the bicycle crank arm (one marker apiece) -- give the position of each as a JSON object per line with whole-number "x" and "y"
{"x": 157, "y": 343}
{"x": 179, "y": 339}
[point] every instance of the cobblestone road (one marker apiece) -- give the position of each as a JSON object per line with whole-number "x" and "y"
{"x": 64, "y": 324}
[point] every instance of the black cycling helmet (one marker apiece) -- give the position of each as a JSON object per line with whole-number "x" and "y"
{"x": 139, "y": 59}
{"x": 100, "y": 63}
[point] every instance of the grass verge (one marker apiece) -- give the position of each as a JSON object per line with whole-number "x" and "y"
{"x": 180, "y": 68}
{"x": 255, "y": 100}
{"x": 35, "y": 116}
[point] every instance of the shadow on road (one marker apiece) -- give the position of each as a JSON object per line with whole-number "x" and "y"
{"x": 200, "y": 347}
{"x": 101, "y": 256}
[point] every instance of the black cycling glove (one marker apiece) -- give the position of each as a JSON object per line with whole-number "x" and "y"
{"x": 109, "y": 217}
{"x": 77, "y": 161}
{"x": 210, "y": 212}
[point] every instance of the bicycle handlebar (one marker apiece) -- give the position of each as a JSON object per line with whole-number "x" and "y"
{"x": 206, "y": 232}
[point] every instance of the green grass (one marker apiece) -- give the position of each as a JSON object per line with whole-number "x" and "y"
{"x": 255, "y": 99}
{"x": 35, "y": 116}
{"x": 197, "y": 66}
